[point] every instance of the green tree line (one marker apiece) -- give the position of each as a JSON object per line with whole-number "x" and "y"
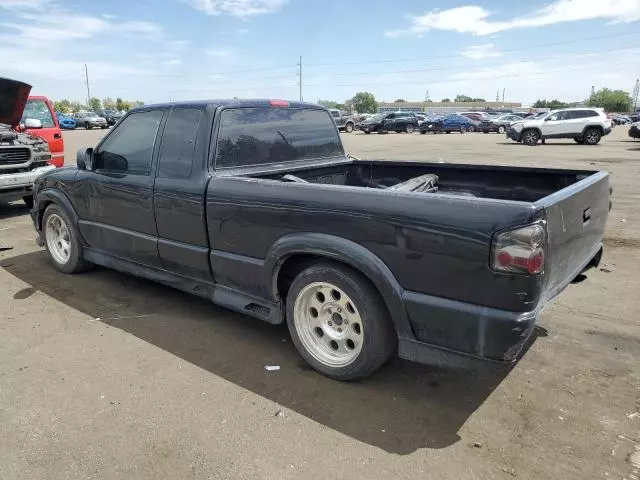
{"x": 108, "y": 103}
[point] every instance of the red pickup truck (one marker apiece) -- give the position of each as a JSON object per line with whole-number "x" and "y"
{"x": 40, "y": 108}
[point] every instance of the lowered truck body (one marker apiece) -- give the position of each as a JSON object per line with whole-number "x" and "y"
{"x": 254, "y": 205}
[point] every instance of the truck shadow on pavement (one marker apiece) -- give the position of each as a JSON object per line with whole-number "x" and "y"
{"x": 401, "y": 408}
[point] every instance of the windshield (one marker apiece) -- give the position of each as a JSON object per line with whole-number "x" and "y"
{"x": 39, "y": 110}
{"x": 377, "y": 117}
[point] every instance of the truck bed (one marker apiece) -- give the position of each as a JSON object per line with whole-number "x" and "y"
{"x": 480, "y": 181}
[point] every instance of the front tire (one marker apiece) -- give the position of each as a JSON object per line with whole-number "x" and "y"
{"x": 592, "y": 136}
{"x": 463, "y": 129}
{"x": 501, "y": 130}
{"x": 338, "y": 322}
{"x": 472, "y": 128}
{"x": 348, "y": 127}
{"x": 410, "y": 128}
{"x": 61, "y": 241}
{"x": 88, "y": 126}
{"x": 530, "y": 137}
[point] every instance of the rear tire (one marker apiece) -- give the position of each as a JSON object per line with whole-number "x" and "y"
{"x": 530, "y": 137}
{"x": 472, "y": 128}
{"x": 422, "y": 132}
{"x": 501, "y": 130}
{"x": 592, "y": 136}
{"x": 463, "y": 129}
{"x": 61, "y": 241}
{"x": 348, "y": 127}
{"x": 367, "y": 132}
{"x": 410, "y": 128}
{"x": 338, "y": 322}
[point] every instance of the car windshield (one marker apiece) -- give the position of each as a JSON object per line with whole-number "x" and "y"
{"x": 377, "y": 117}
{"x": 39, "y": 110}
{"x": 91, "y": 115}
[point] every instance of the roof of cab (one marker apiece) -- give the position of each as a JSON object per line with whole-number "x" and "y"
{"x": 231, "y": 102}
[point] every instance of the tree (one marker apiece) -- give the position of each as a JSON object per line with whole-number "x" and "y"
{"x": 364, "y": 102}
{"x": 63, "y": 106}
{"x": 119, "y": 104}
{"x": 445, "y": 100}
{"x": 610, "y": 100}
{"x": 400, "y": 100}
{"x": 328, "y": 103}
{"x": 94, "y": 103}
{"x": 76, "y": 106}
{"x": 468, "y": 99}
{"x": 108, "y": 103}
{"x": 552, "y": 104}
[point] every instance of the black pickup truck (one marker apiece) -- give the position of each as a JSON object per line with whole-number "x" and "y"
{"x": 255, "y": 206}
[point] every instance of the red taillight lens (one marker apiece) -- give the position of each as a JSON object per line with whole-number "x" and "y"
{"x": 520, "y": 250}
{"x": 278, "y": 103}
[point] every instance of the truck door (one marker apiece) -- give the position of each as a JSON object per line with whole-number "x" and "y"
{"x": 179, "y": 195}
{"x": 118, "y": 191}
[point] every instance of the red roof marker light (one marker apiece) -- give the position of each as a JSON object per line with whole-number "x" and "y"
{"x": 278, "y": 103}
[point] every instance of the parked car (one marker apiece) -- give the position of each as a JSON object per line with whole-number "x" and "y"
{"x": 362, "y": 259}
{"x": 40, "y": 108}
{"x": 66, "y": 122}
{"x": 344, "y": 121}
{"x": 23, "y": 157}
{"x": 431, "y": 123}
{"x": 634, "y": 130}
{"x": 499, "y": 124}
{"x": 390, "y": 122}
{"x": 584, "y": 125}
{"x": 111, "y": 116}
{"x": 90, "y": 120}
{"x": 617, "y": 119}
{"x": 457, "y": 123}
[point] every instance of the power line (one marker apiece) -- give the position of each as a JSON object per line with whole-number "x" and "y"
{"x": 528, "y": 47}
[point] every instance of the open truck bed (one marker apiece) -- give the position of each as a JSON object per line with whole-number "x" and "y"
{"x": 437, "y": 244}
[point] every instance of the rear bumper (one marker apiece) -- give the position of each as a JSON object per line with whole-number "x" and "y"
{"x": 458, "y": 334}
{"x": 607, "y": 131}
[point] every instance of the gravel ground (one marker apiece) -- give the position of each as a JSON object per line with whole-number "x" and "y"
{"x": 104, "y": 376}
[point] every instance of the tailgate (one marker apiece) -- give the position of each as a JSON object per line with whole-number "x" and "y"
{"x": 576, "y": 218}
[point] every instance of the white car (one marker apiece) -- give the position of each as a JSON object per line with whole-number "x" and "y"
{"x": 584, "y": 125}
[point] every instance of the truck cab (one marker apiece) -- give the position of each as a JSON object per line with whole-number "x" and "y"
{"x": 40, "y": 108}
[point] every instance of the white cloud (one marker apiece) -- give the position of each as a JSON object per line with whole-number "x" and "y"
{"x": 476, "y": 20}
{"x": 478, "y": 52}
{"x": 173, "y": 62}
{"x": 225, "y": 53}
{"x": 26, "y": 4}
{"x": 515, "y": 69}
{"x": 242, "y": 31}
{"x": 237, "y": 8}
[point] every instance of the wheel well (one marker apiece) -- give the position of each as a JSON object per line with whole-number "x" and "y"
{"x": 41, "y": 209}
{"x": 296, "y": 263}
{"x": 597, "y": 127}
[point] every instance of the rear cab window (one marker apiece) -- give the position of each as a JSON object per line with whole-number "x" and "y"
{"x": 264, "y": 135}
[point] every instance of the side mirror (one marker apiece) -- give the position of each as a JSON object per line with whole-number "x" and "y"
{"x": 84, "y": 158}
{"x": 32, "y": 123}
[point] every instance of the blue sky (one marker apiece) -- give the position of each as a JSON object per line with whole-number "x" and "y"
{"x": 187, "y": 49}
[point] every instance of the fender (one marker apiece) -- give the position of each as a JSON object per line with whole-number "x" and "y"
{"x": 347, "y": 252}
{"x": 52, "y": 195}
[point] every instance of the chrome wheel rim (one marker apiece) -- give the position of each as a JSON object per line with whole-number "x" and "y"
{"x": 58, "y": 239}
{"x": 501, "y": 130}
{"x": 531, "y": 137}
{"x": 463, "y": 129}
{"x": 328, "y": 324}
{"x": 592, "y": 136}
{"x": 409, "y": 128}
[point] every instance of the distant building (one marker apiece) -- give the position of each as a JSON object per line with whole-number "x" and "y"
{"x": 447, "y": 107}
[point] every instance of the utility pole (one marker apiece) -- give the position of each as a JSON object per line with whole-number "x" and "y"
{"x": 593, "y": 89}
{"x": 498, "y": 96}
{"x": 503, "y": 94}
{"x": 86, "y": 76}
{"x": 300, "y": 76}
{"x": 634, "y": 97}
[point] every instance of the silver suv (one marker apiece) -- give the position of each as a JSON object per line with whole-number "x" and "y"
{"x": 584, "y": 125}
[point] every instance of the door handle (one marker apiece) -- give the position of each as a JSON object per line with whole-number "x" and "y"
{"x": 586, "y": 215}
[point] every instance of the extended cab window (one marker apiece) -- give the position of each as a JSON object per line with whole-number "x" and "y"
{"x": 255, "y": 136}
{"x": 129, "y": 148}
{"x": 179, "y": 143}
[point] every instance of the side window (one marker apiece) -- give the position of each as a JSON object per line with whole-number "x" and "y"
{"x": 556, "y": 116}
{"x": 179, "y": 143}
{"x": 335, "y": 114}
{"x": 591, "y": 113}
{"x": 129, "y": 148}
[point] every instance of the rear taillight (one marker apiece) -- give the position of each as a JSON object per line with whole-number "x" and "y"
{"x": 520, "y": 250}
